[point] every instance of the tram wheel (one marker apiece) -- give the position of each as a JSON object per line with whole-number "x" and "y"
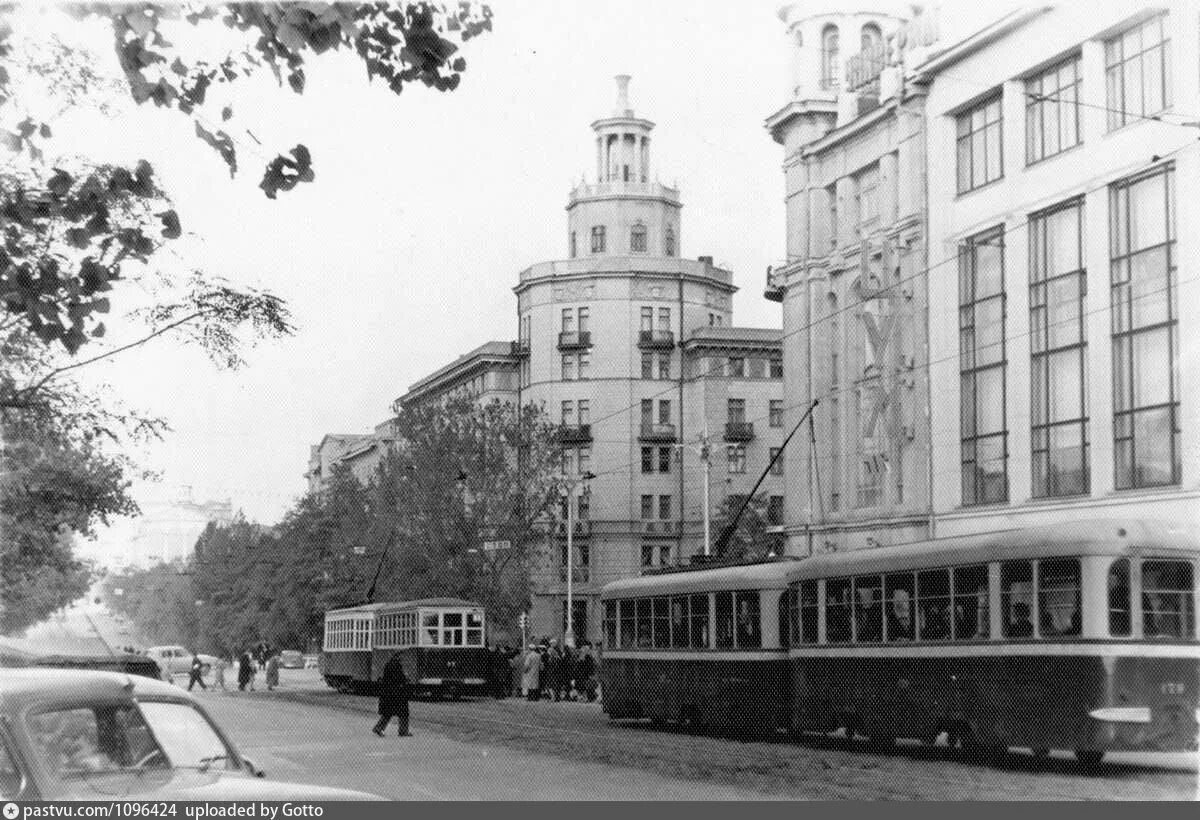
{"x": 1089, "y": 758}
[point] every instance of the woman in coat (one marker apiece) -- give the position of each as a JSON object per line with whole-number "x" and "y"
{"x": 272, "y": 672}
{"x": 393, "y": 697}
{"x": 531, "y": 680}
{"x": 245, "y": 671}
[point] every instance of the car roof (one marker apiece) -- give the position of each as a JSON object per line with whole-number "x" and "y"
{"x": 20, "y": 687}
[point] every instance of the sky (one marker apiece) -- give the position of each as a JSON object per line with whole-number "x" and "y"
{"x": 403, "y": 253}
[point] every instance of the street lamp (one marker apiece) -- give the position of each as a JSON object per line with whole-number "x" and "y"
{"x": 569, "y": 635}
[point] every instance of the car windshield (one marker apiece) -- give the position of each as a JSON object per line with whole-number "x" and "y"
{"x": 187, "y": 736}
{"x": 86, "y": 742}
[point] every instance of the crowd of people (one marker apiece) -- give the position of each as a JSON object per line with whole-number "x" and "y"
{"x": 546, "y": 670}
{"x": 261, "y": 658}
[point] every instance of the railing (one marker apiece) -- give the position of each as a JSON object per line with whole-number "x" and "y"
{"x": 661, "y": 527}
{"x": 622, "y": 187}
{"x": 652, "y": 431}
{"x": 656, "y": 339}
{"x": 520, "y": 348}
{"x": 574, "y": 339}
{"x": 863, "y": 69}
{"x": 640, "y": 263}
{"x": 575, "y": 433}
{"x": 739, "y": 430}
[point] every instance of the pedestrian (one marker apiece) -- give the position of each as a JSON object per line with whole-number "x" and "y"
{"x": 219, "y": 673}
{"x": 587, "y": 673}
{"x": 554, "y": 670}
{"x": 272, "y": 672}
{"x": 516, "y": 667}
{"x": 245, "y": 672}
{"x": 393, "y": 697}
{"x": 531, "y": 680}
{"x": 196, "y": 674}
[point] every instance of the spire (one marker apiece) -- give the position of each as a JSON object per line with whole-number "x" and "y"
{"x": 622, "y": 109}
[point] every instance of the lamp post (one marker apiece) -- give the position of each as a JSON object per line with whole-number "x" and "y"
{"x": 704, "y": 450}
{"x": 569, "y": 635}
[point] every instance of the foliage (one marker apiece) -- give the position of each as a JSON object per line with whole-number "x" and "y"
{"x": 749, "y": 538}
{"x": 158, "y": 600}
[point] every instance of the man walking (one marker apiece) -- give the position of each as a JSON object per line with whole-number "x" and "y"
{"x": 393, "y": 697}
{"x": 196, "y": 674}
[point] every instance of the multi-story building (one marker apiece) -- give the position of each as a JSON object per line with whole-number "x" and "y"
{"x": 1007, "y": 215}
{"x": 1064, "y": 203}
{"x": 853, "y": 305}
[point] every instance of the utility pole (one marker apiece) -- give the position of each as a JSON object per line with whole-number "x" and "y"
{"x": 705, "y": 453}
{"x": 569, "y": 635}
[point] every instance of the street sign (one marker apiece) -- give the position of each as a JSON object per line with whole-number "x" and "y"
{"x": 492, "y": 546}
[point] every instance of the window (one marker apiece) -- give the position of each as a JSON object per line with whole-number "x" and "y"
{"x": 664, "y": 366}
{"x": 568, "y": 413}
{"x": 568, "y": 368}
{"x": 699, "y": 621}
{"x": 737, "y": 367}
{"x": 871, "y": 37}
{"x": 1057, "y": 307}
{"x": 664, "y": 411}
{"x": 452, "y": 629}
{"x": 832, "y": 198}
{"x": 679, "y": 620}
{"x": 980, "y": 157}
{"x": 585, "y": 366}
{"x": 647, "y": 459}
{"x": 597, "y": 239}
{"x": 1052, "y": 111}
{"x": 647, "y": 366}
{"x": 970, "y": 603}
{"x": 757, "y": 367}
{"x": 1120, "y": 601}
{"x": 749, "y": 622}
{"x": 1059, "y": 597}
{"x": 777, "y": 463}
{"x": 809, "y": 612}
{"x": 837, "y": 611}
{"x": 583, "y": 319}
{"x": 775, "y": 366}
{"x": 664, "y": 507}
{"x": 1144, "y": 329}
{"x": 1137, "y": 72}
{"x": 737, "y": 458}
{"x": 647, "y": 555}
{"x": 1168, "y": 599}
{"x": 628, "y": 623}
{"x": 644, "y": 623}
{"x": 866, "y": 191}
{"x": 829, "y": 58}
{"x": 736, "y": 410}
{"x": 585, "y": 411}
{"x": 664, "y": 318}
{"x": 664, "y": 459}
{"x": 647, "y": 319}
{"x": 637, "y": 239}
{"x": 661, "y": 629}
{"x": 898, "y": 598}
{"x": 610, "y": 624}
{"x": 775, "y": 413}
{"x": 669, "y": 242}
{"x": 568, "y": 462}
{"x": 868, "y": 609}
{"x": 647, "y": 507}
{"x": 574, "y": 250}
{"x": 982, "y": 365}
{"x": 933, "y": 605}
{"x": 775, "y": 509}
{"x": 724, "y": 620}
{"x": 1016, "y": 599}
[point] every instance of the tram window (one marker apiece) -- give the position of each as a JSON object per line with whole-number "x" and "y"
{"x": 809, "y": 615}
{"x": 474, "y": 629}
{"x": 749, "y": 621}
{"x": 452, "y": 629}
{"x": 898, "y": 590}
{"x": 429, "y": 624}
{"x": 970, "y": 603}
{"x": 1168, "y": 599}
{"x": 679, "y": 622}
{"x": 1059, "y": 597}
{"x": 1016, "y": 598}
{"x": 661, "y": 636}
{"x": 868, "y": 609}
{"x": 1120, "y": 602}
{"x": 933, "y": 605}
{"x": 724, "y": 620}
{"x": 610, "y": 624}
{"x": 627, "y": 624}
{"x": 699, "y": 617}
{"x": 644, "y": 608}
{"x": 837, "y": 610}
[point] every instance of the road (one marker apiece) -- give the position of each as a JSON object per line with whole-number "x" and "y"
{"x": 511, "y": 749}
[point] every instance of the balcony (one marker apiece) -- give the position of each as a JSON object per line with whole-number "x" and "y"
{"x": 656, "y": 432}
{"x": 575, "y": 434}
{"x": 574, "y": 340}
{"x": 579, "y": 575}
{"x": 739, "y": 430}
{"x": 656, "y": 340}
{"x": 520, "y": 348}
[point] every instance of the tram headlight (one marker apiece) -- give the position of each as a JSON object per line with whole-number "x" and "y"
{"x": 1122, "y": 714}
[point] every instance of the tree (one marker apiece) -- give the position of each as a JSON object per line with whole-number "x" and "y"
{"x": 749, "y": 538}
{"x": 159, "y": 601}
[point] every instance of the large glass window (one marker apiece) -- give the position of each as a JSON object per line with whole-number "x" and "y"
{"x": 901, "y": 617}
{"x": 1059, "y": 597}
{"x": 662, "y": 623}
{"x": 627, "y": 624}
{"x": 830, "y": 63}
{"x": 1016, "y": 598}
{"x": 1052, "y": 111}
{"x": 809, "y": 612}
{"x": 933, "y": 605}
{"x": 1138, "y": 72}
{"x": 868, "y": 609}
{"x": 637, "y": 239}
{"x": 970, "y": 603}
{"x": 982, "y": 367}
{"x": 645, "y": 622}
{"x": 724, "y": 620}
{"x": 980, "y": 152}
{"x": 679, "y": 622}
{"x": 1168, "y": 599}
{"x": 597, "y": 239}
{"x": 699, "y": 621}
{"x": 749, "y": 620}
{"x": 837, "y": 611}
{"x": 1144, "y": 328}
{"x": 1057, "y": 307}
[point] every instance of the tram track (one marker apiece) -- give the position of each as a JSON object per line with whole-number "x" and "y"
{"x": 813, "y": 766}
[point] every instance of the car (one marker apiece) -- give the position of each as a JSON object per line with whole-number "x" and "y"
{"x": 176, "y": 660}
{"x": 312, "y": 662}
{"x": 70, "y": 734}
{"x": 291, "y": 659}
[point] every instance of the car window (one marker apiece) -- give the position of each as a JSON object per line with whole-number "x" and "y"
{"x": 94, "y": 740}
{"x": 187, "y": 736}
{"x": 10, "y": 775}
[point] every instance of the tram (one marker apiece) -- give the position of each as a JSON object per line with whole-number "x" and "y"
{"x": 441, "y": 642}
{"x": 1079, "y": 636}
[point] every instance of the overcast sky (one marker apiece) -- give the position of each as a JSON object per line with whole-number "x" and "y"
{"x": 426, "y": 206}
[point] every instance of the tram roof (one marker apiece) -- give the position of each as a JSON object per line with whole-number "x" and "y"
{"x": 768, "y": 575}
{"x": 1088, "y": 537}
{"x": 393, "y": 605}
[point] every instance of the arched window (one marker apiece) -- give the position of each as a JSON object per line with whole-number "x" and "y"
{"x": 829, "y": 57}
{"x": 871, "y": 36}
{"x": 669, "y": 241}
{"x": 637, "y": 239}
{"x": 597, "y": 239}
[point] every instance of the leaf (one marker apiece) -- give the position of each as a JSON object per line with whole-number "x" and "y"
{"x": 10, "y": 140}
{"x": 60, "y": 183}
{"x": 226, "y": 113}
{"x": 223, "y": 145}
{"x": 296, "y": 80}
{"x": 44, "y": 130}
{"x": 26, "y": 128}
{"x": 98, "y": 331}
{"x": 285, "y": 174}
{"x": 171, "y": 227}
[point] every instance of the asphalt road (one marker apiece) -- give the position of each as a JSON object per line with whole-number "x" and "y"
{"x": 512, "y": 749}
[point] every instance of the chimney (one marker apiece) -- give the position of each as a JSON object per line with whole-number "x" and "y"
{"x": 623, "y": 96}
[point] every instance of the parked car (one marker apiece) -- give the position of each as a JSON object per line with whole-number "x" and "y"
{"x": 291, "y": 659}
{"x": 69, "y": 734}
{"x": 176, "y": 660}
